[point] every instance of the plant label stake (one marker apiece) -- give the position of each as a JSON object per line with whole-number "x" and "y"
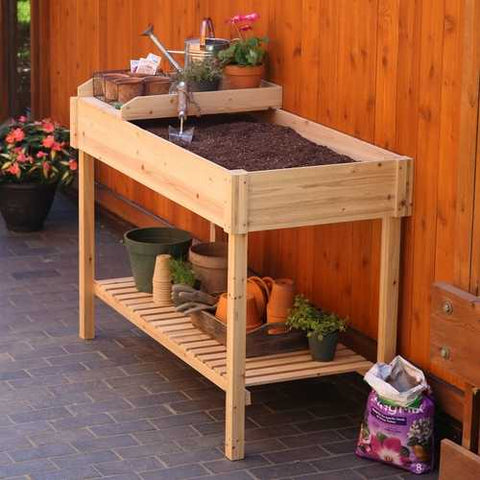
{"x": 181, "y": 135}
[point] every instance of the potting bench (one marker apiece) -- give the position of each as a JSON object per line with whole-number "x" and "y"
{"x": 377, "y": 185}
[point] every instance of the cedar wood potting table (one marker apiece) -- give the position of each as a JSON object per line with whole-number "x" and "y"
{"x": 377, "y": 185}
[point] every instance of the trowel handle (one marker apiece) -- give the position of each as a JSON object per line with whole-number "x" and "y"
{"x": 182, "y": 100}
{"x": 206, "y": 31}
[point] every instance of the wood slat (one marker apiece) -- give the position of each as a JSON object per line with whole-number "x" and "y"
{"x": 175, "y": 331}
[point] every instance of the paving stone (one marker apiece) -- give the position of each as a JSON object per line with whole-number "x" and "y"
{"x": 44, "y": 414}
{"x": 175, "y": 459}
{"x": 224, "y": 465}
{"x": 296, "y": 454}
{"x": 176, "y": 473}
{"x": 45, "y": 451}
{"x": 82, "y": 421}
{"x": 93, "y": 458}
{"x": 91, "y": 445}
{"x": 137, "y": 465}
{"x": 282, "y": 471}
{"x": 119, "y": 428}
{"x": 71, "y": 473}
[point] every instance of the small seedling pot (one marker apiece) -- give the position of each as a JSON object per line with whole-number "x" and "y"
{"x": 129, "y": 88}
{"x": 110, "y": 89}
{"x": 157, "y": 85}
{"x": 143, "y": 246}
{"x": 237, "y": 76}
{"x": 209, "y": 262}
{"x": 253, "y": 317}
{"x": 323, "y": 350}
{"x": 280, "y": 303}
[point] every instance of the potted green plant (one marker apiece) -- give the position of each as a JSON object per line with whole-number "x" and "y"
{"x": 182, "y": 272}
{"x": 243, "y": 60}
{"x": 35, "y": 157}
{"x": 322, "y": 328}
{"x": 202, "y": 75}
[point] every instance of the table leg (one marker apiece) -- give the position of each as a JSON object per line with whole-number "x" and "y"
{"x": 389, "y": 280}
{"x": 86, "y": 246}
{"x": 236, "y": 347}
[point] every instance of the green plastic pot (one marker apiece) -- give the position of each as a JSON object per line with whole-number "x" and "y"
{"x": 143, "y": 246}
{"x": 323, "y": 350}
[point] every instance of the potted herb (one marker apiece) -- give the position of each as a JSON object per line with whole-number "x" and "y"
{"x": 182, "y": 272}
{"x": 244, "y": 59}
{"x": 322, "y": 328}
{"x": 35, "y": 157}
{"x": 202, "y": 75}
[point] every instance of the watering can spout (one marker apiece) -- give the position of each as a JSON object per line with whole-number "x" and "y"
{"x": 148, "y": 31}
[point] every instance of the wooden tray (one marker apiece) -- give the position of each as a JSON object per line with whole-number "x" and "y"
{"x": 259, "y": 341}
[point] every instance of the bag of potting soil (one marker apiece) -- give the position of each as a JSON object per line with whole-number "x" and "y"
{"x": 398, "y": 424}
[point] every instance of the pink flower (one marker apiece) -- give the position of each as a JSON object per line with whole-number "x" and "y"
{"x": 22, "y": 158}
{"x": 73, "y": 165}
{"x": 388, "y": 451}
{"x": 245, "y": 27}
{"x": 41, "y": 154}
{"x": 15, "y": 135}
{"x": 235, "y": 19}
{"x": 22, "y": 119}
{"x": 49, "y": 141}
{"x": 48, "y": 126}
{"x": 14, "y": 169}
{"x": 250, "y": 17}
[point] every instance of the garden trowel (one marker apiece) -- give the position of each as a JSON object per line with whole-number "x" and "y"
{"x": 181, "y": 134}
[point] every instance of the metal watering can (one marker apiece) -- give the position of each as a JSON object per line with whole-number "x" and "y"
{"x": 196, "y": 49}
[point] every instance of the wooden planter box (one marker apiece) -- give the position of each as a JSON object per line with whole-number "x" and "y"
{"x": 377, "y": 185}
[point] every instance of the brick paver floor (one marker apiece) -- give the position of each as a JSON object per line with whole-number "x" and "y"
{"x": 122, "y": 407}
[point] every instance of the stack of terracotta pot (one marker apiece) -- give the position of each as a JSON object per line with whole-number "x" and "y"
{"x": 161, "y": 282}
{"x": 267, "y": 300}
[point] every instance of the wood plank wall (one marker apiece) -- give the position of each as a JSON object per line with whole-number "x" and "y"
{"x": 3, "y": 59}
{"x": 399, "y": 73}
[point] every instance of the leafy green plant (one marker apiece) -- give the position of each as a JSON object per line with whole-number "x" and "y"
{"x": 304, "y": 316}
{"x": 248, "y": 52}
{"x": 207, "y": 70}
{"x": 182, "y": 272}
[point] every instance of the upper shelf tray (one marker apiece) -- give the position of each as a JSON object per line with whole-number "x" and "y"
{"x": 267, "y": 96}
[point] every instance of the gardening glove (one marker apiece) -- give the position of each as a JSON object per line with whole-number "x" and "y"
{"x": 184, "y": 293}
{"x": 190, "y": 307}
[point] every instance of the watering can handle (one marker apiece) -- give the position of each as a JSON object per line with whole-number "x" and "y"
{"x": 206, "y": 31}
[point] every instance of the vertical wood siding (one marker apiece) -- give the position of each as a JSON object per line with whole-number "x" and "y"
{"x": 392, "y": 72}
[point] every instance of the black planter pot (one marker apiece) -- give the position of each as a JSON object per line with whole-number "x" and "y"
{"x": 323, "y": 350}
{"x": 24, "y": 206}
{"x": 204, "y": 85}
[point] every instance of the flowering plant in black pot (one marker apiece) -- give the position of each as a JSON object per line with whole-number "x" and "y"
{"x": 322, "y": 328}
{"x": 35, "y": 157}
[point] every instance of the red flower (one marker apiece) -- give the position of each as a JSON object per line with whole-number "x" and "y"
{"x": 15, "y": 135}
{"x": 57, "y": 146}
{"x": 245, "y": 27}
{"x": 42, "y": 154}
{"x": 14, "y": 169}
{"x": 49, "y": 141}
{"x": 46, "y": 168}
{"x": 48, "y": 126}
{"x": 72, "y": 163}
{"x": 22, "y": 158}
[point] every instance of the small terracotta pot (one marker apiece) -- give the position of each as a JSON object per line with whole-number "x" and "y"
{"x": 269, "y": 283}
{"x": 129, "y": 88}
{"x": 110, "y": 89}
{"x": 253, "y": 318}
{"x": 260, "y": 293}
{"x": 221, "y": 312}
{"x": 157, "y": 85}
{"x": 236, "y": 77}
{"x": 280, "y": 303}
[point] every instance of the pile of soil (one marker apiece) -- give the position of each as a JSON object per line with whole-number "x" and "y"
{"x": 240, "y": 141}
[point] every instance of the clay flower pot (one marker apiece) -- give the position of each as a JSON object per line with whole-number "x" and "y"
{"x": 129, "y": 88}
{"x": 209, "y": 262}
{"x": 253, "y": 318}
{"x": 157, "y": 85}
{"x": 280, "y": 303}
{"x": 258, "y": 288}
{"x": 237, "y": 76}
{"x": 221, "y": 312}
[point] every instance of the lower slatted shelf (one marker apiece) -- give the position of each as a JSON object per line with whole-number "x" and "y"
{"x": 175, "y": 332}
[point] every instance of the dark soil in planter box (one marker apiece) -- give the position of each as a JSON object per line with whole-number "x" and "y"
{"x": 240, "y": 141}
